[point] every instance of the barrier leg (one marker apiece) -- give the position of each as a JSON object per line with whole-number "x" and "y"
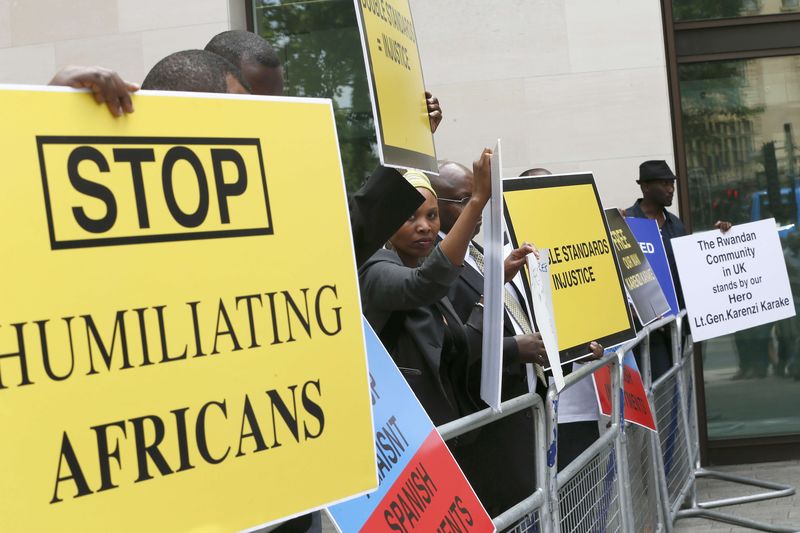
{"x": 552, "y": 458}
{"x": 656, "y": 460}
{"x": 776, "y": 490}
{"x": 618, "y": 418}
{"x": 520, "y": 518}
{"x": 661, "y": 480}
{"x": 590, "y": 492}
{"x": 733, "y": 520}
{"x": 697, "y": 509}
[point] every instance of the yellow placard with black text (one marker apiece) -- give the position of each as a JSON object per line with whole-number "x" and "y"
{"x": 563, "y": 213}
{"x": 396, "y": 84}
{"x": 180, "y": 327}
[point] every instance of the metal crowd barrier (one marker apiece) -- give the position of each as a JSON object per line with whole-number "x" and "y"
{"x": 630, "y": 479}
{"x": 526, "y": 515}
{"x": 592, "y": 492}
{"x": 692, "y": 507}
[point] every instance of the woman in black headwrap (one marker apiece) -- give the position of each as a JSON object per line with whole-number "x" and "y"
{"x": 404, "y": 294}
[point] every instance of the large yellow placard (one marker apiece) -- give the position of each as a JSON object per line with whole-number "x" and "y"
{"x": 397, "y": 85}
{"x": 563, "y": 213}
{"x": 180, "y": 327}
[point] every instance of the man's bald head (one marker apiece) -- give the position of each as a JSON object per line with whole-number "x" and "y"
{"x": 195, "y": 71}
{"x": 452, "y": 185}
{"x": 254, "y": 56}
{"x": 536, "y": 172}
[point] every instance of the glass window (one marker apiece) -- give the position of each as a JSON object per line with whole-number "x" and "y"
{"x": 683, "y": 10}
{"x": 320, "y": 48}
{"x": 740, "y": 124}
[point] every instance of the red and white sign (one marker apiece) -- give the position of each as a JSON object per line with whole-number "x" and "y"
{"x": 637, "y": 408}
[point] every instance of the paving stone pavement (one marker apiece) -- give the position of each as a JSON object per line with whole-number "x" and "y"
{"x": 783, "y": 511}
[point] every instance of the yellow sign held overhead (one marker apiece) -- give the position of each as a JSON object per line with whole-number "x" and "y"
{"x": 396, "y": 84}
{"x": 174, "y": 355}
{"x": 563, "y": 214}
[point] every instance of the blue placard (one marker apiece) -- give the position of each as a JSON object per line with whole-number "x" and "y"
{"x": 401, "y": 427}
{"x": 649, "y": 236}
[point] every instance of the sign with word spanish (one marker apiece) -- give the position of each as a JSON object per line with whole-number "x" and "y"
{"x": 563, "y": 213}
{"x": 421, "y": 486}
{"x": 648, "y": 236}
{"x": 396, "y": 84}
{"x": 172, "y": 355}
{"x": 640, "y": 280}
{"x": 734, "y": 280}
{"x": 637, "y": 407}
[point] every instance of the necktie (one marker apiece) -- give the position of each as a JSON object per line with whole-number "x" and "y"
{"x": 513, "y": 307}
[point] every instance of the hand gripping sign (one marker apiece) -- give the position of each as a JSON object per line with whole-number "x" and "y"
{"x": 421, "y": 486}
{"x": 172, "y": 356}
{"x": 563, "y": 213}
{"x": 396, "y": 84}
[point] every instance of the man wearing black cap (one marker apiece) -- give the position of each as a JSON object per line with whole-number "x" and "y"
{"x": 657, "y": 182}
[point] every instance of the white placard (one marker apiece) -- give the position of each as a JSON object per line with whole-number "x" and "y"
{"x": 493, "y": 274}
{"x": 735, "y": 280}
{"x": 542, "y": 297}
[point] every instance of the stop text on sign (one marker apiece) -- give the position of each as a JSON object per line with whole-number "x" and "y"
{"x": 105, "y": 191}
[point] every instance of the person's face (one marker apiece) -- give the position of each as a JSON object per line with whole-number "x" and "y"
{"x": 416, "y": 237}
{"x": 234, "y": 87}
{"x": 265, "y": 81}
{"x": 659, "y": 192}
{"x": 461, "y": 183}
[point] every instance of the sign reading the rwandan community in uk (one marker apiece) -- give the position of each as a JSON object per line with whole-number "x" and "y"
{"x": 563, "y": 213}
{"x": 396, "y": 84}
{"x": 421, "y": 486}
{"x": 648, "y": 235}
{"x": 640, "y": 281}
{"x": 172, "y": 355}
{"x": 735, "y": 280}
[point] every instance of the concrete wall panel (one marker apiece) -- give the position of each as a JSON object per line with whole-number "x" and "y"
{"x": 569, "y": 85}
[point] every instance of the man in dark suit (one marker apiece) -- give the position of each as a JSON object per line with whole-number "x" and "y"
{"x": 657, "y": 182}
{"x": 500, "y": 464}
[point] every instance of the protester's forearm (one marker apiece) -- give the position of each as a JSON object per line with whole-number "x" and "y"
{"x": 393, "y": 287}
{"x": 455, "y": 243}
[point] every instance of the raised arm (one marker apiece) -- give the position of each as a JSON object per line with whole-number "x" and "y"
{"x": 454, "y": 245}
{"x": 389, "y": 286}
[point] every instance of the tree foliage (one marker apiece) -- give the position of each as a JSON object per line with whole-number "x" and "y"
{"x": 710, "y": 9}
{"x": 321, "y": 52}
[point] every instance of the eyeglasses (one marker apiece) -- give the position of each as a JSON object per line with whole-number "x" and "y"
{"x": 463, "y": 202}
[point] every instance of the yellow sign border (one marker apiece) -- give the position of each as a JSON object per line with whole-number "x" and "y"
{"x": 396, "y": 154}
{"x": 60, "y": 112}
{"x": 528, "y": 184}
